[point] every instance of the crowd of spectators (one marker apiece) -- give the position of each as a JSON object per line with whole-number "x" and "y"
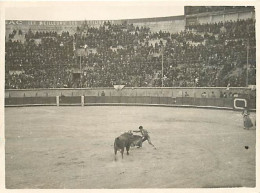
{"x": 42, "y": 61}
{"x": 202, "y": 55}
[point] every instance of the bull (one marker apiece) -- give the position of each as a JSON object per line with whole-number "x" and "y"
{"x": 125, "y": 141}
{"x": 137, "y": 141}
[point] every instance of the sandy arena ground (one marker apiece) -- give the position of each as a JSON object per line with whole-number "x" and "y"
{"x": 72, "y": 147}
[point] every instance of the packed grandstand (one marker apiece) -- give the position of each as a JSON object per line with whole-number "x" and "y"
{"x": 213, "y": 54}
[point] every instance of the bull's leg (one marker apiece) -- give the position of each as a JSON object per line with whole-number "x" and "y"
{"x": 139, "y": 143}
{"x": 127, "y": 149}
{"x": 115, "y": 153}
{"x": 122, "y": 153}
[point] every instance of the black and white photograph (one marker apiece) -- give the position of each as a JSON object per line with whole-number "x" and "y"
{"x": 129, "y": 95}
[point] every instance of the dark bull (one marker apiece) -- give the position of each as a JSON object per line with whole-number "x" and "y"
{"x": 125, "y": 141}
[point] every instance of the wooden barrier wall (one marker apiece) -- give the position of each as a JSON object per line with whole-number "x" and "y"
{"x": 138, "y": 100}
{"x": 154, "y": 96}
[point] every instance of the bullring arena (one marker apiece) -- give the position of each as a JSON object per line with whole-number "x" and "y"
{"x": 72, "y": 146}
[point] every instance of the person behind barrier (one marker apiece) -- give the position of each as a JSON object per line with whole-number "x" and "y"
{"x": 145, "y": 135}
{"x": 247, "y": 121}
{"x": 186, "y": 94}
{"x": 203, "y": 95}
{"x": 213, "y": 95}
{"x": 221, "y": 94}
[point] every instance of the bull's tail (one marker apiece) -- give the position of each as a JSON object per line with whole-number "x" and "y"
{"x": 116, "y": 143}
{"x": 115, "y": 146}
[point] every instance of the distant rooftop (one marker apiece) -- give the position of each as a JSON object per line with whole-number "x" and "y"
{"x": 190, "y": 10}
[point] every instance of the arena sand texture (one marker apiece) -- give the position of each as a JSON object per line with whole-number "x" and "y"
{"x": 72, "y": 147}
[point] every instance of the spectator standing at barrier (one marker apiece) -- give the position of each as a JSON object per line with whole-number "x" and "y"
{"x": 186, "y": 94}
{"x": 247, "y": 121}
{"x": 145, "y": 135}
{"x": 221, "y": 94}
{"x": 235, "y": 95}
{"x": 213, "y": 95}
{"x": 204, "y": 95}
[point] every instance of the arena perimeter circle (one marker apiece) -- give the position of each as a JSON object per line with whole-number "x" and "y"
{"x": 72, "y": 147}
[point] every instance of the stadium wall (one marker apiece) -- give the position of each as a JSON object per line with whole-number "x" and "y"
{"x": 171, "y": 24}
{"x": 215, "y": 17}
{"x": 129, "y": 96}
